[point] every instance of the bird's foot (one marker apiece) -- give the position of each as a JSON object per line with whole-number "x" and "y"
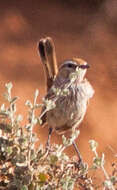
{"x": 82, "y": 166}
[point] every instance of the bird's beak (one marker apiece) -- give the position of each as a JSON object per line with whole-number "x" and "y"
{"x": 84, "y": 66}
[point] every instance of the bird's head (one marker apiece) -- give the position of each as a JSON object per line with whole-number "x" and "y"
{"x": 70, "y": 66}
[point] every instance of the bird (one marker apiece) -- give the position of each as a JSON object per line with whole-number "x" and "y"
{"x": 67, "y": 87}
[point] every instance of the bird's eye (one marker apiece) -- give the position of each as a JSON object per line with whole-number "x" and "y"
{"x": 70, "y": 65}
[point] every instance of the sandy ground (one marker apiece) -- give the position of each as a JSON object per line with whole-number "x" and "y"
{"x": 86, "y": 30}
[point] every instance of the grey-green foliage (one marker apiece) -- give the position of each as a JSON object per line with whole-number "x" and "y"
{"x": 24, "y": 167}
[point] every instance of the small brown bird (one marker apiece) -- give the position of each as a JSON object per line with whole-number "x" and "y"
{"x": 70, "y": 107}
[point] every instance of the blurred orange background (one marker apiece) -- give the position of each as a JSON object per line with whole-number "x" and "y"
{"x": 86, "y": 29}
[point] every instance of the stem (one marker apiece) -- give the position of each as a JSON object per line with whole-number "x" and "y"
{"x": 96, "y": 153}
{"x": 11, "y": 115}
{"x": 105, "y": 172}
{"x": 43, "y": 113}
{"x": 30, "y": 138}
{"x": 31, "y": 129}
{"x": 107, "y": 176}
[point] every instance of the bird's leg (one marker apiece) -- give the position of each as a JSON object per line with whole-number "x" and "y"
{"x": 49, "y": 136}
{"x": 78, "y": 153}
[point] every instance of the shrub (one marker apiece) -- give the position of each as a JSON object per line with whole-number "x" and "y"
{"x": 24, "y": 167}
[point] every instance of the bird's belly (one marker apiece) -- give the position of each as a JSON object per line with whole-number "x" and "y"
{"x": 59, "y": 115}
{"x": 69, "y": 111}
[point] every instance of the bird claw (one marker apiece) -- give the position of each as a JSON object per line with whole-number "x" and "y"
{"x": 80, "y": 164}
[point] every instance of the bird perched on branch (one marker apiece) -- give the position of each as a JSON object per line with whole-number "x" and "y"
{"x": 67, "y": 88}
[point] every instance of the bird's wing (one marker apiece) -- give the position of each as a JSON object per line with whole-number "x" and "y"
{"x": 51, "y": 95}
{"x": 43, "y": 117}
